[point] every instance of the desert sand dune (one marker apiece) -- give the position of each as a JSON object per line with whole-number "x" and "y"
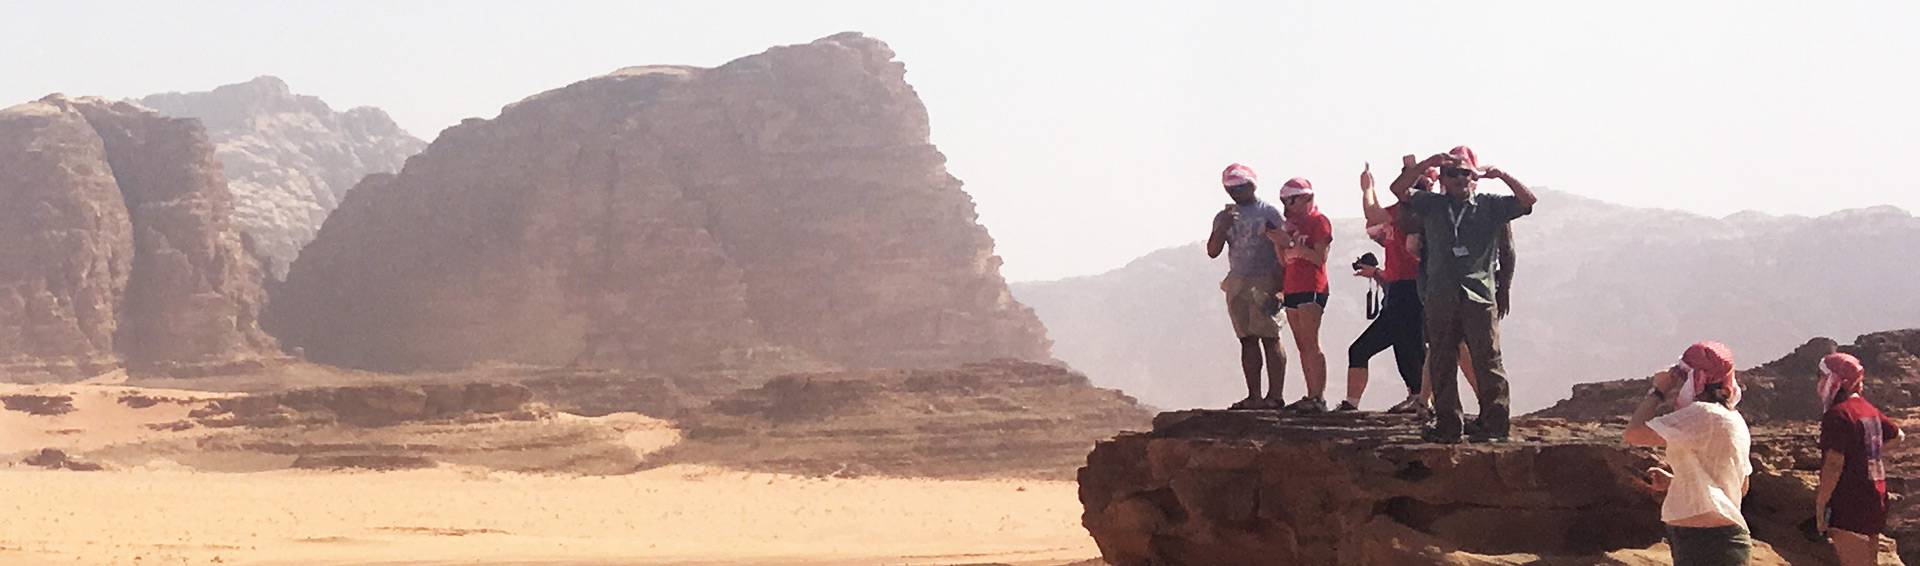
{"x": 671, "y": 515}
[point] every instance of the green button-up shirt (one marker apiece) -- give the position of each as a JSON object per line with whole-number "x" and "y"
{"x": 1462, "y": 241}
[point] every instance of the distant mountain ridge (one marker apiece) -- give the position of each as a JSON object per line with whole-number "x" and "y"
{"x": 1602, "y": 290}
{"x": 289, "y": 158}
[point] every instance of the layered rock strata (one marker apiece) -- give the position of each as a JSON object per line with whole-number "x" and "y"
{"x": 784, "y": 208}
{"x": 120, "y": 245}
{"x": 1257, "y": 487}
{"x": 289, "y": 158}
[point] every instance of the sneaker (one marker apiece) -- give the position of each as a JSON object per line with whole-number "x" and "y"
{"x": 1346, "y": 407}
{"x": 1248, "y": 404}
{"x": 1308, "y": 405}
{"x": 1411, "y": 405}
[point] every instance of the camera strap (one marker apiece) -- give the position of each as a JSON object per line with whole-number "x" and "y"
{"x": 1374, "y": 299}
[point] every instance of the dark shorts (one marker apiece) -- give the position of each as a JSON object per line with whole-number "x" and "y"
{"x": 1715, "y": 546}
{"x": 1297, "y": 300}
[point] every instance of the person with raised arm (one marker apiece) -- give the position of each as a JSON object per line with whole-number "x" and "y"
{"x": 1400, "y": 320}
{"x": 1708, "y": 446}
{"x": 1461, "y": 230}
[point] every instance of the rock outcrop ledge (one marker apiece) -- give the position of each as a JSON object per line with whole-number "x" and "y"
{"x": 1258, "y": 487}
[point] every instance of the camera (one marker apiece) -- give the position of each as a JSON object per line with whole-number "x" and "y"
{"x": 1366, "y": 259}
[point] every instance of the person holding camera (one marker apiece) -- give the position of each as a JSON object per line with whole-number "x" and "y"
{"x": 1707, "y": 445}
{"x": 1853, "y": 475}
{"x": 1253, "y": 278}
{"x": 1398, "y": 323}
{"x": 1461, "y": 231}
{"x": 1302, "y": 243}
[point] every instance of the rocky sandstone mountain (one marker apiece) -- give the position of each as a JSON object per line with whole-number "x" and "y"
{"x": 786, "y": 208}
{"x": 1257, "y": 487}
{"x": 1602, "y": 291}
{"x": 120, "y": 248}
{"x": 289, "y": 158}
{"x": 1781, "y": 391}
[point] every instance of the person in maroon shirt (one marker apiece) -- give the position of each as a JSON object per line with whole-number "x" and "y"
{"x": 1853, "y": 479}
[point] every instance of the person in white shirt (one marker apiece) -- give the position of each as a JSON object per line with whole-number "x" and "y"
{"x": 1707, "y": 445}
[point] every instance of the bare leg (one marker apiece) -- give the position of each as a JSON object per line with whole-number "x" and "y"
{"x": 1855, "y": 549}
{"x": 1356, "y": 382}
{"x": 1276, "y": 368}
{"x": 1250, "y": 364}
{"x": 1305, "y": 321}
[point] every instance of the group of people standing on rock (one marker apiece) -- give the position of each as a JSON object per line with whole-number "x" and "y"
{"x": 1708, "y": 448}
{"x": 1448, "y": 266}
{"x": 1447, "y": 278}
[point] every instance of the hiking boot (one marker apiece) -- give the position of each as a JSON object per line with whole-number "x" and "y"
{"x": 1487, "y": 437}
{"x": 1435, "y": 436}
{"x": 1308, "y": 405}
{"x": 1409, "y": 406}
{"x": 1346, "y": 407}
{"x": 1478, "y": 432}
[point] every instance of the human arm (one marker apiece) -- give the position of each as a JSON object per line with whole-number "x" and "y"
{"x": 1503, "y": 279}
{"x": 1830, "y": 468}
{"x": 1221, "y": 222}
{"x": 1370, "y": 201}
{"x": 1520, "y": 191}
{"x": 1403, "y": 184}
{"x": 1640, "y": 430}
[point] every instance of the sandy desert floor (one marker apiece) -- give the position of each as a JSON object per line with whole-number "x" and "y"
{"x": 671, "y": 515}
{"x": 159, "y": 503}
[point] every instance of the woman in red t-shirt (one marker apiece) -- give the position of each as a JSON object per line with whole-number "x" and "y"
{"x": 1302, "y": 245}
{"x": 1853, "y": 479}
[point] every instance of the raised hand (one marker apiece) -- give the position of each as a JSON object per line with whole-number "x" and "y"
{"x": 1659, "y": 479}
{"x": 1366, "y": 178}
{"x": 1494, "y": 173}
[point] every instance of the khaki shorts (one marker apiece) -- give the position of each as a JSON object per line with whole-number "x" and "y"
{"x": 1252, "y": 306}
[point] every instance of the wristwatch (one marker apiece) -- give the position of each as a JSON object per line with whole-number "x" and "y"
{"x": 1655, "y": 393}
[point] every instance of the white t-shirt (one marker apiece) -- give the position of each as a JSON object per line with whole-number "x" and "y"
{"x": 1707, "y": 445}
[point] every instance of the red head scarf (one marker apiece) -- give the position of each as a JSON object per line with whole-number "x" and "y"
{"x": 1704, "y": 364}
{"x": 1236, "y": 175}
{"x": 1839, "y": 372}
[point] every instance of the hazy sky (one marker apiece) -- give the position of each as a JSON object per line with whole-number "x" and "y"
{"x": 1093, "y": 132}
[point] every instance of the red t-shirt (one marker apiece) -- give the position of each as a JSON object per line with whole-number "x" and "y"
{"x": 1401, "y": 264}
{"x": 1302, "y": 275}
{"x": 1858, "y": 431}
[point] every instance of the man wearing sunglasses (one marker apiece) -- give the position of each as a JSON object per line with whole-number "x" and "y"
{"x": 1462, "y": 230}
{"x": 1253, "y": 277}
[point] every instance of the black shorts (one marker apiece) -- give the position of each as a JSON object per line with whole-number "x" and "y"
{"x": 1297, "y": 300}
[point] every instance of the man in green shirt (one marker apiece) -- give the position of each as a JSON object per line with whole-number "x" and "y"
{"x": 1462, "y": 231}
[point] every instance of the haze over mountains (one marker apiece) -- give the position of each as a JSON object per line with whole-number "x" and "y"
{"x": 289, "y": 158}
{"x": 1602, "y": 291}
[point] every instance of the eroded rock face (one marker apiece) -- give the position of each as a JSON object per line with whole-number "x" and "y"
{"x": 120, "y": 244}
{"x": 1003, "y": 418}
{"x": 1257, "y": 487}
{"x": 289, "y": 159}
{"x": 784, "y": 208}
{"x": 1780, "y": 391}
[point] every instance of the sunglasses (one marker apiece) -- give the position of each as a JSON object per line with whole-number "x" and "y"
{"x": 1293, "y": 199}
{"x": 1456, "y": 172}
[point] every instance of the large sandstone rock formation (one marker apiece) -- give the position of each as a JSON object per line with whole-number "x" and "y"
{"x": 1780, "y": 391}
{"x": 289, "y": 158}
{"x": 119, "y": 246}
{"x": 1595, "y": 297}
{"x": 783, "y": 208}
{"x": 1246, "y": 488}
